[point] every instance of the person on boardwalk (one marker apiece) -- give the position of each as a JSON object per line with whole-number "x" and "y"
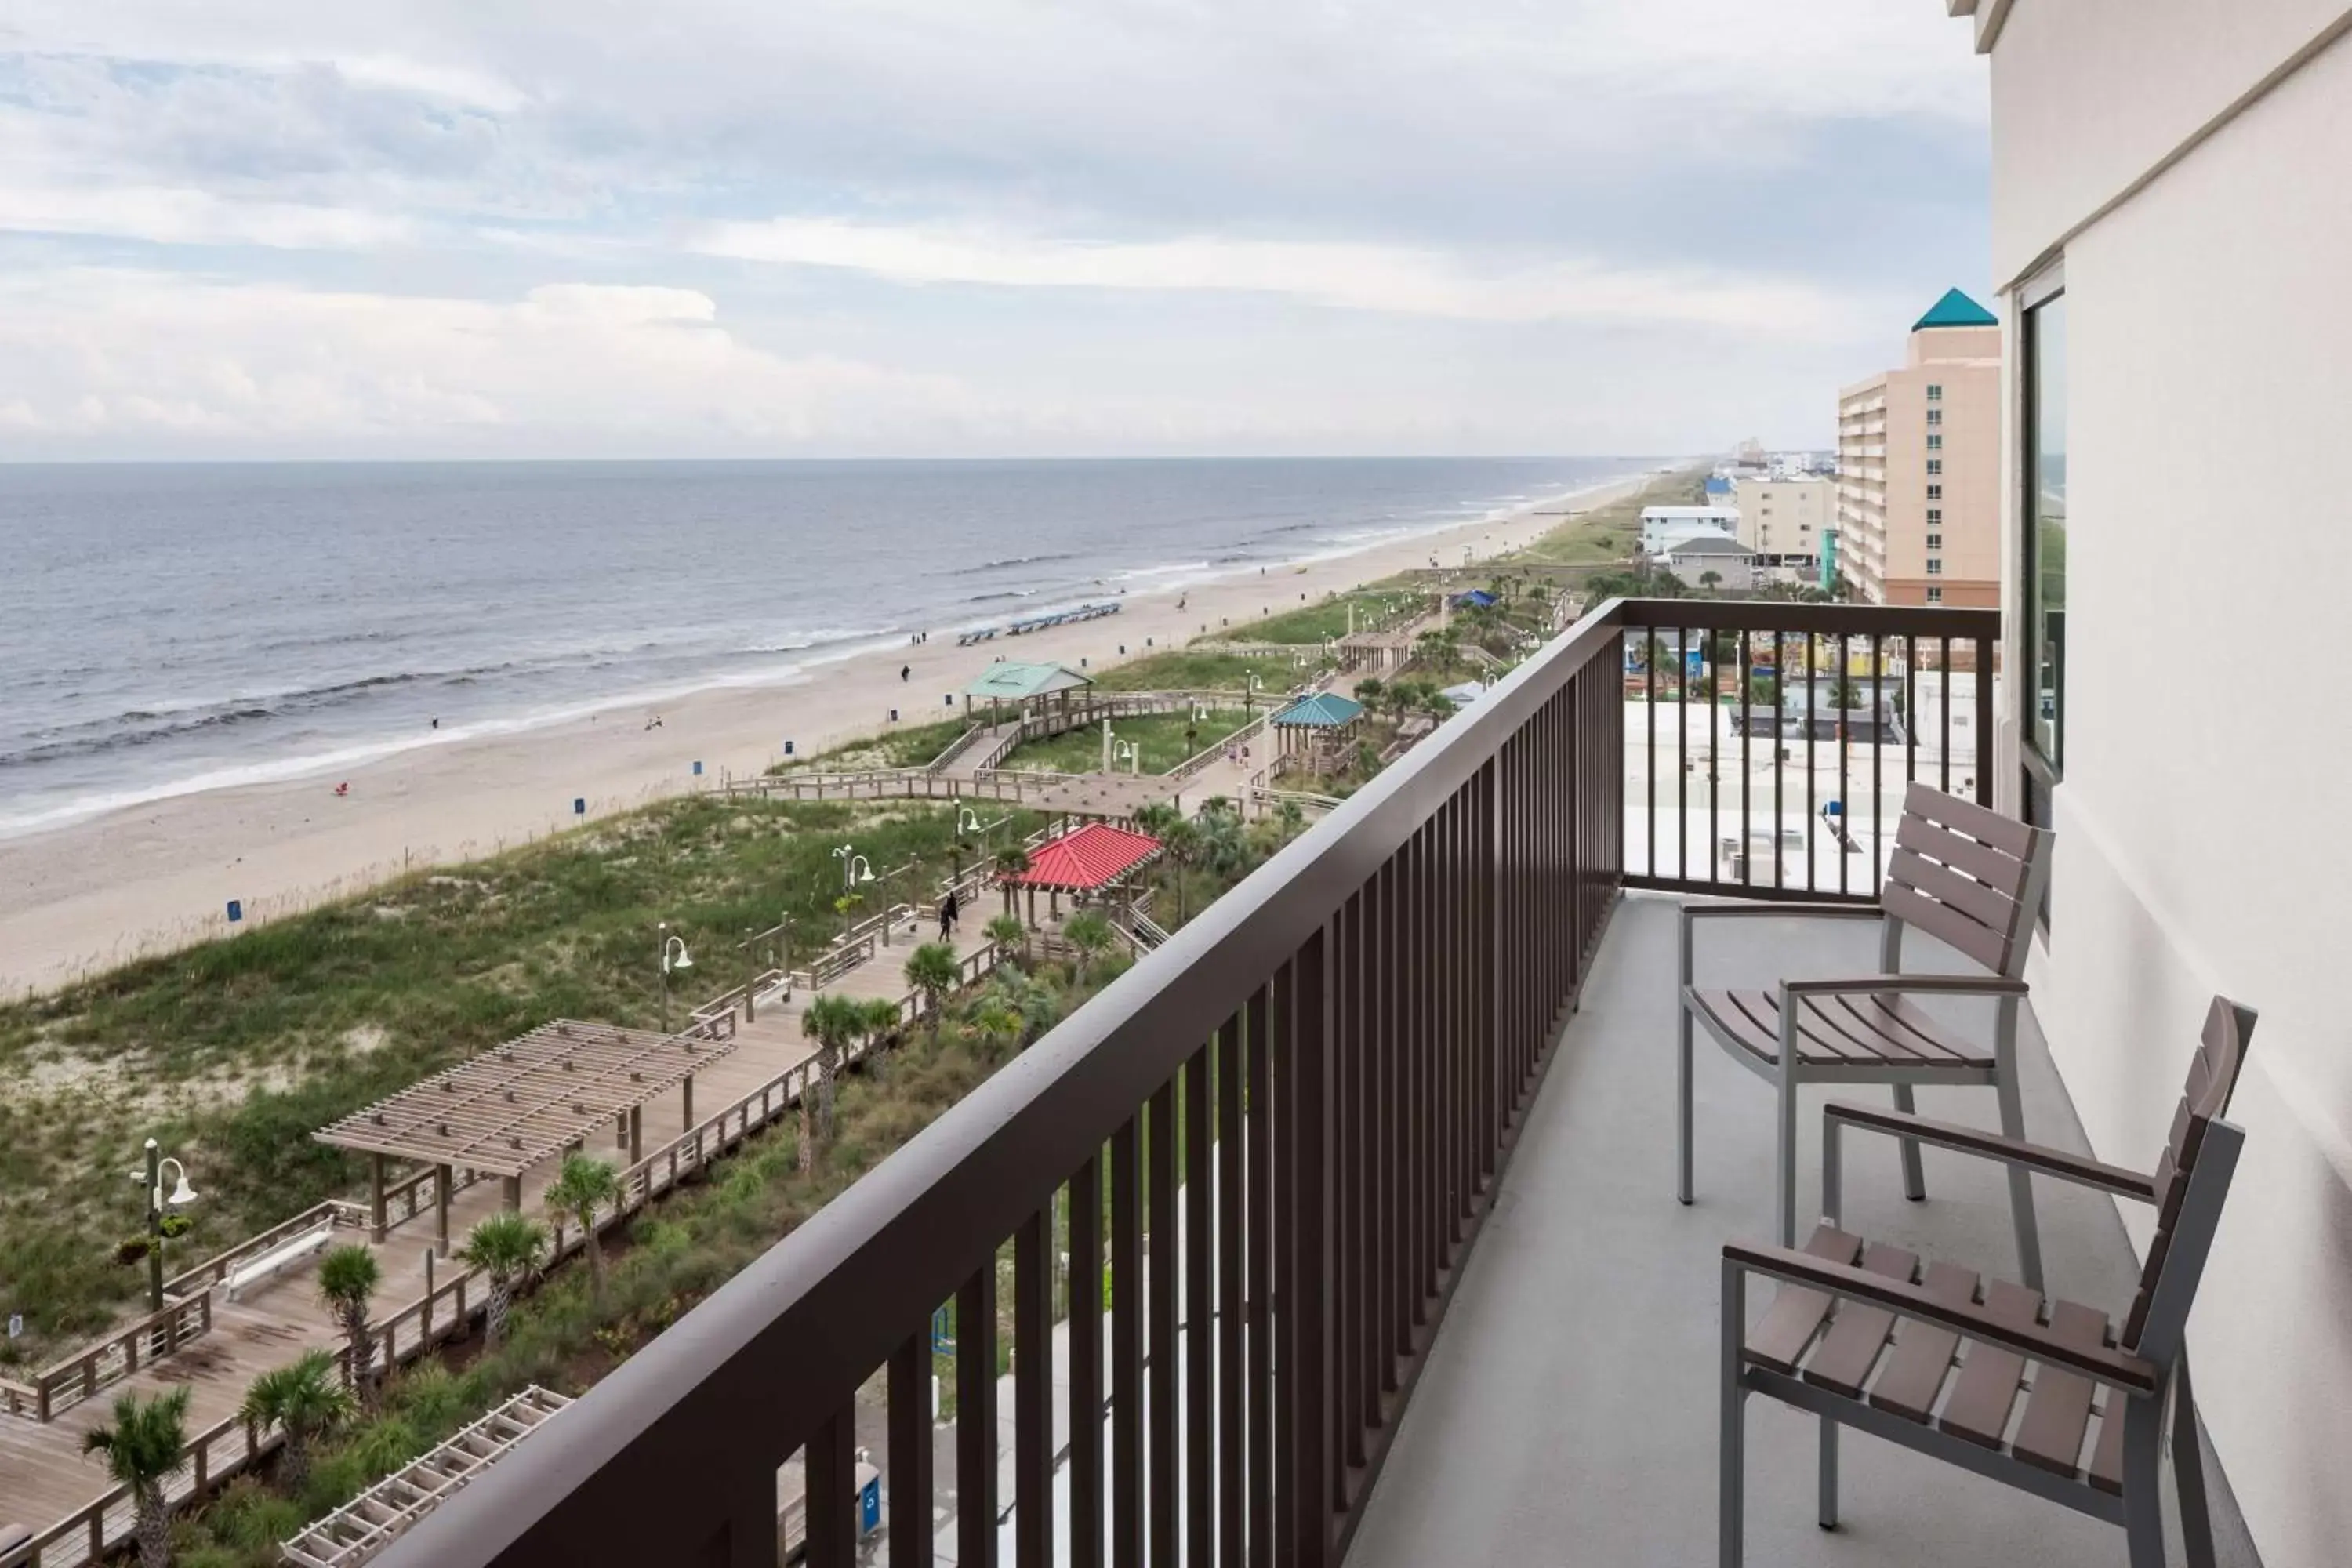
{"x": 949, "y": 911}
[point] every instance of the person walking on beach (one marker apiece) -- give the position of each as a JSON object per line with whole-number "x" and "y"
{"x": 906, "y": 671}
{"x": 949, "y": 911}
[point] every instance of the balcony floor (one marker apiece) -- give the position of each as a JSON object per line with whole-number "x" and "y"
{"x": 1568, "y": 1413}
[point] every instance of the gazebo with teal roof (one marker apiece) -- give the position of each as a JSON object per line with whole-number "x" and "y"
{"x": 1021, "y": 685}
{"x": 1320, "y": 725}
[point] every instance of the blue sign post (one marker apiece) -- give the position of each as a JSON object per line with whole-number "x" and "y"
{"x": 698, "y": 770}
{"x": 579, "y": 806}
{"x": 235, "y": 910}
{"x": 869, "y": 1507}
{"x": 943, "y": 1343}
{"x": 788, "y": 748}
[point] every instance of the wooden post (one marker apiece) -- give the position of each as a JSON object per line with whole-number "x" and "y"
{"x": 751, "y": 978}
{"x": 514, "y": 1194}
{"x": 375, "y": 1197}
{"x": 441, "y": 1184}
{"x": 637, "y": 1134}
{"x": 686, "y": 1103}
{"x": 621, "y": 1130}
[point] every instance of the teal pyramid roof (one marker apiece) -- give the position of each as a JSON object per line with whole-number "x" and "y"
{"x": 1955, "y": 310}
{"x": 1324, "y": 711}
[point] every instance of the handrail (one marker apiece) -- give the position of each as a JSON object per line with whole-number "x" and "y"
{"x": 215, "y": 1270}
{"x": 152, "y": 1335}
{"x": 694, "y": 1415}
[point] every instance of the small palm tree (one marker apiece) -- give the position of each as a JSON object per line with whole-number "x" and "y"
{"x": 508, "y": 1247}
{"x": 1180, "y": 842}
{"x": 1367, "y": 691}
{"x": 1011, "y": 861}
{"x": 879, "y": 1024}
{"x": 302, "y": 1401}
{"x": 584, "y": 1185}
{"x": 143, "y": 1446}
{"x": 932, "y": 969}
{"x": 1008, "y": 933}
{"x": 996, "y": 1020}
{"x": 833, "y": 1022}
{"x": 1090, "y": 934}
{"x": 348, "y": 1277}
{"x": 1291, "y": 818}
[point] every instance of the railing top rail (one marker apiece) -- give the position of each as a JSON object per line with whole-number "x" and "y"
{"x": 1792, "y": 616}
{"x": 900, "y": 1241}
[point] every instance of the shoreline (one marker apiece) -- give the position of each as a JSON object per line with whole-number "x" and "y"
{"x": 147, "y": 877}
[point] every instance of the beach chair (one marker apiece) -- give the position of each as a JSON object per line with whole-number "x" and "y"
{"x": 1966, "y": 875}
{"x": 1927, "y": 1356}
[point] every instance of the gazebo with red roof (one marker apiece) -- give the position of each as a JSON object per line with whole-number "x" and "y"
{"x": 1088, "y": 859}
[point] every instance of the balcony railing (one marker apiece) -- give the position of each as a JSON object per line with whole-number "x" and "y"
{"x": 1281, "y": 1132}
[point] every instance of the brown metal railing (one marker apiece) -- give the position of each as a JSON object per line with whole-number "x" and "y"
{"x": 1347, "y": 1042}
{"x": 1769, "y": 744}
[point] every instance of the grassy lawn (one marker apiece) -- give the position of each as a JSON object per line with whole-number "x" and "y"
{"x": 1160, "y": 735}
{"x": 231, "y": 1053}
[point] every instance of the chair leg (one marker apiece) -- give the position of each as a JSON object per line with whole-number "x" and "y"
{"x": 2143, "y": 1471}
{"x": 1914, "y": 1179}
{"x": 1683, "y": 1105}
{"x": 1785, "y": 1206}
{"x": 1731, "y": 1499}
{"x": 2188, "y": 1472}
{"x": 2013, "y": 1125}
{"x": 1828, "y": 1475}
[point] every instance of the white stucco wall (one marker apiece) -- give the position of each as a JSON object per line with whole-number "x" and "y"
{"x": 2117, "y": 84}
{"x": 2205, "y": 820}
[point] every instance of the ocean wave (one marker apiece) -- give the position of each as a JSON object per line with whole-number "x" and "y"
{"x": 1167, "y": 571}
{"x": 1011, "y": 560}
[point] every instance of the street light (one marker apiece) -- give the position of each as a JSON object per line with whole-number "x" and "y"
{"x": 181, "y": 1194}
{"x": 855, "y": 868}
{"x": 1127, "y": 752}
{"x": 673, "y": 956}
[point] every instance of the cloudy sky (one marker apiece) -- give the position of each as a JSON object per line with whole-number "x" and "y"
{"x": 264, "y": 228}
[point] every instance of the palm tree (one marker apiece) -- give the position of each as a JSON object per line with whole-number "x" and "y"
{"x": 582, "y": 1186}
{"x": 1291, "y": 819}
{"x": 348, "y": 1275}
{"x": 1011, "y": 861}
{"x": 1182, "y": 844}
{"x": 143, "y": 1446}
{"x": 508, "y": 1247}
{"x": 833, "y": 1022}
{"x": 1367, "y": 691}
{"x": 1090, "y": 934}
{"x": 1008, "y": 933}
{"x": 996, "y": 1019}
{"x": 1709, "y": 579}
{"x": 302, "y": 1401}
{"x": 1156, "y": 817}
{"x": 880, "y": 1018}
{"x": 933, "y": 970}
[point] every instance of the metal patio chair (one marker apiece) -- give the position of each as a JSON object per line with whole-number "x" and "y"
{"x": 1926, "y": 1355}
{"x": 1970, "y": 877}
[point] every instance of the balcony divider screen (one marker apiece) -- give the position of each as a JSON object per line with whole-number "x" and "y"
{"x": 1227, "y": 1200}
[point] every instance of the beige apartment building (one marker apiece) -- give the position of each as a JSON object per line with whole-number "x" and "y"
{"x": 1919, "y": 496}
{"x": 1785, "y": 517}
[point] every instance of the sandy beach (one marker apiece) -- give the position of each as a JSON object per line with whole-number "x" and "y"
{"x": 159, "y": 876}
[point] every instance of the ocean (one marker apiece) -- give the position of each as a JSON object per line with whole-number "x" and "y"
{"x": 170, "y": 627}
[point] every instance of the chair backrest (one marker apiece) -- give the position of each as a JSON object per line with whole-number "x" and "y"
{"x": 1966, "y": 875}
{"x": 2213, "y": 1079}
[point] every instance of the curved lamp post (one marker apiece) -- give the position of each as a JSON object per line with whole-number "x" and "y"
{"x": 180, "y": 1196}
{"x": 674, "y": 956}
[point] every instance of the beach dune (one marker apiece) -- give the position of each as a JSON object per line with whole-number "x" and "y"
{"x": 98, "y": 892}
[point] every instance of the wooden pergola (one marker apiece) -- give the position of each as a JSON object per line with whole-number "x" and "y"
{"x": 363, "y": 1527}
{"x": 505, "y": 1110}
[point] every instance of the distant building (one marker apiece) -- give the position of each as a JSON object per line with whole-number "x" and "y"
{"x": 1664, "y": 526}
{"x": 1785, "y": 516}
{"x": 1918, "y": 508}
{"x": 1732, "y": 562}
{"x": 1718, "y": 492}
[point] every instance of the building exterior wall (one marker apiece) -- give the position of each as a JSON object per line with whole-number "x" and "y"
{"x": 1662, "y": 527}
{"x": 1895, "y": 488}
{"x": 1785, "y": 517}
{"x": 2207, "y": 372}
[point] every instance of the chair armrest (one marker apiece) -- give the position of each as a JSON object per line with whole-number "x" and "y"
{"x": 1912, "y": 984}
{"x": 1761, "y": 909}
{"x": 2100, "y": 1362}
{"x": 2075, "y": 1168}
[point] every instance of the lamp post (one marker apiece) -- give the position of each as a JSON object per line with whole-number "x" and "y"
{"x": 182, "y": 1196}
{"x": 1129, "y": 752}
{"x": 1249, "y": 696}
{"x": 673, "y": 956}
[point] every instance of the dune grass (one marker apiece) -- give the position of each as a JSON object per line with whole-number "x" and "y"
{"x": 1610, "y": 533}
{"x": 1160, "y": 736}
{"x": 232, "y": 1052}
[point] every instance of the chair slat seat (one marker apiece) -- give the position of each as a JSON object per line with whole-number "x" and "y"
{"x": 1833, "y": 1031}
{"x": 1839, "y": 1344}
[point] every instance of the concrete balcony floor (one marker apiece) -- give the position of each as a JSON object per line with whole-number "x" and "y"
{"x": 1569, "y": 1411}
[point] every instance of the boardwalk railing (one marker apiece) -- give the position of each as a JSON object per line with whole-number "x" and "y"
{"x": 1382, "y": 996}
{"x": 123, "y": 1351}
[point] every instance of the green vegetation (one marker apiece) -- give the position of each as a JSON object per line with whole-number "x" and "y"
{"x": 1161, "y": 738}
{"x": 583, "y": 1188}
{"x": 231, "y": 1053}
{"x": 1202, "y": 667}
{"x": 348, "y": 1277}
{"x": 508, "y": 1248}
{"x": 899, "y": 746}
{"x": 141, "y": 1444}
{"x": 1612, "y": 532}
{"x": 1310, "y": 624}
{"x": 303, "y": 1400}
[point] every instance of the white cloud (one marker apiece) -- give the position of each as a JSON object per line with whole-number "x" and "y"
{"x": 1408, "y": 281}
{"x": 168, "y": 215}
{"x": 138, "y": 361}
